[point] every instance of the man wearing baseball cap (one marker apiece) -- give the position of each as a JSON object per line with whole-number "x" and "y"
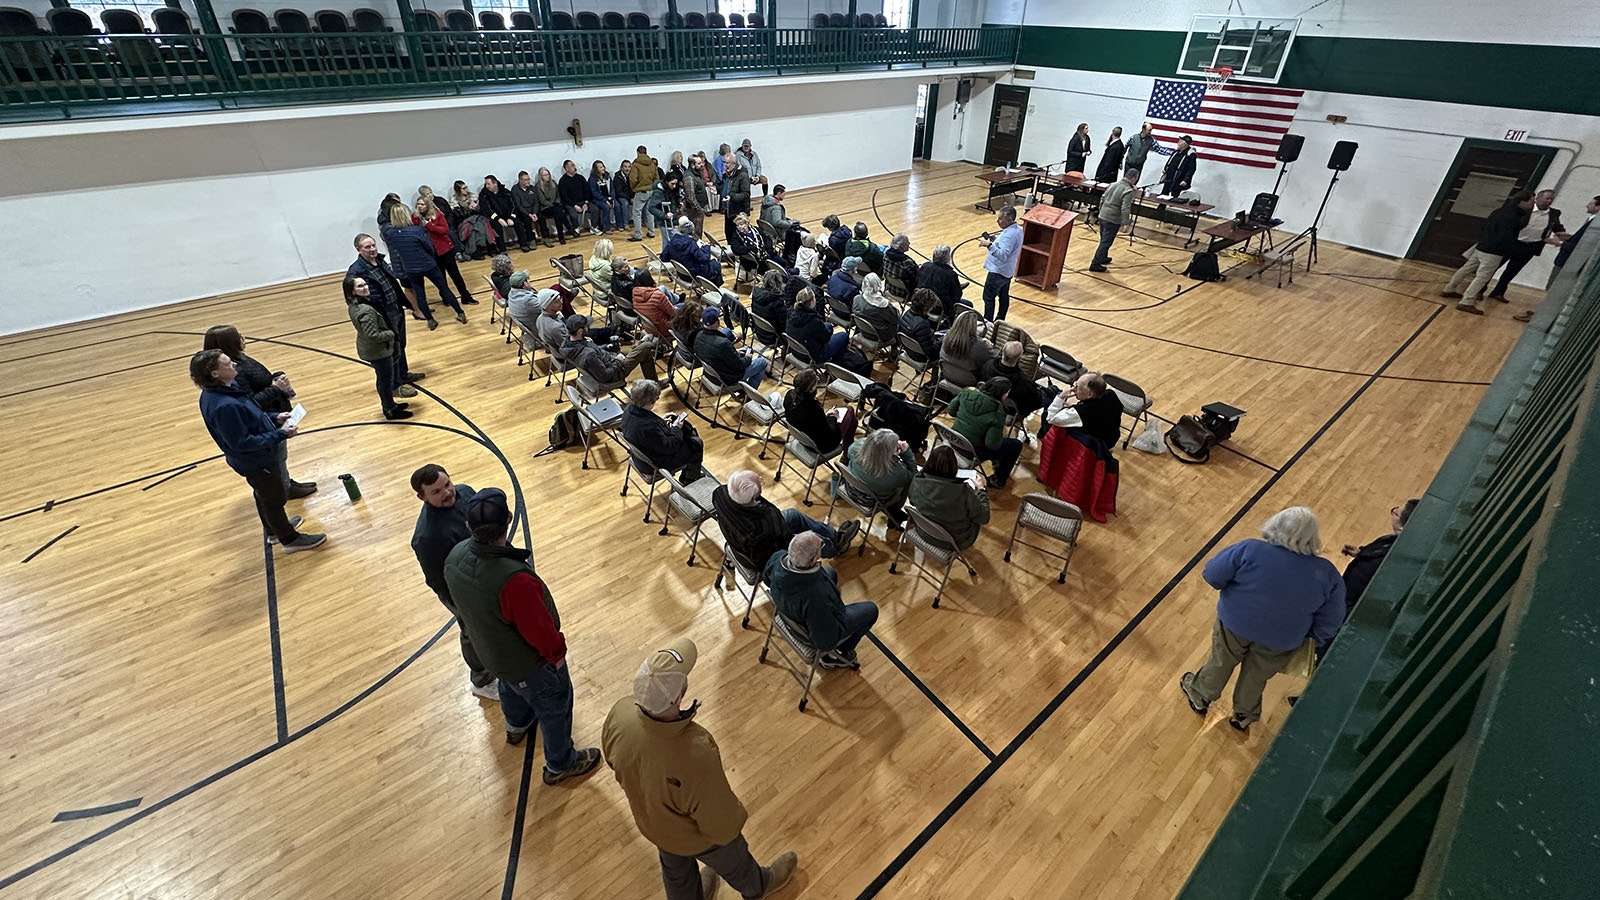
{"x": 671, "y": 771}
{"x": 508, "y": 613}
{"x": 715, "y": 349}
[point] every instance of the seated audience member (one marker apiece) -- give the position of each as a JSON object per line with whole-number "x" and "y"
{"x": 964, "y": 353}
{"x": 601, "y": 364}
{"x": 845, "y": 284}
{"x": 818, "y": 337}
{"x": 885, "y": 464}
{"x": 500, "y": 270}
{"x": 939, "y": 276}
{"x": 601, "y": 196}
{"x": 875, "y": 308}
{"x": 715, "y": 350}
{"x": 1026, "y": 394}
{"x": 749, "y": 244}
{"x": 897, "y": 262}
{"x": 915, "y": 322}
{"x": 526, "y": 201}
{"x": 767, "y": 301}
{"x": 653, "y": 303}
{"x": 496, "y": 205}
{"x": 682, "y": 248}
{"x": 807, "y": 261}
{"x": 838, "y": 235}
{"x": 669, "y": 443}
{"x": 573, "y": 189}
{"x": 858, "y": 245}
{"x": 523, "y": 304}
{"x": 807, "y": 593}
{"x": 600, "y": 264}
{"x": 980, "y": 415}
{"x": 756, "y": 529}
{"x": 1364, "y": 560}
{"x": 551, "y": 215}
{"x": 1090, "y": 408}
{"x": 622, "y": 195}
{"x": 551, "y": 324}
{"x": 622, "y": 277}
{"x": 959, "y": 506}
{"x": 772, "y": 211}
{"x": 804, "y": 413}
{"x": 463, "y": 202}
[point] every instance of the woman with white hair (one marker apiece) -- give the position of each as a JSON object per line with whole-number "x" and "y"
{"x": 1274, "y": 593}
{"x": 884, "y": 463}
{"x": 872, "y": 305}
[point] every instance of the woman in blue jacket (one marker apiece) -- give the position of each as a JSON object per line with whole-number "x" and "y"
{"x": 1274, "y": 593}
{"x": 412, "y": 253}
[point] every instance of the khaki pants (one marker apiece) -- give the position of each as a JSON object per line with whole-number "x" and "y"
{"x": 1479, "y": 268}
{"x": 1256, "y": 663}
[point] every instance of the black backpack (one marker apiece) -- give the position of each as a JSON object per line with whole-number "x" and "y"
{"x": 1204, "y": 268}
{"x": 564, "y": 431}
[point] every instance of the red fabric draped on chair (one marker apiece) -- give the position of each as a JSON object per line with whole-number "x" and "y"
{"x": 1078, "y": 474}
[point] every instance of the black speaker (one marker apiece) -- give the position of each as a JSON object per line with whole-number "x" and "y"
{"x": 1343, "y": 153}
{"x": 964, "y": 90}
{"x": 1289, "y": 147}
{"x": 1261, "y": 211}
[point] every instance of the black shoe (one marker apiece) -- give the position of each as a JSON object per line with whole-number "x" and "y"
{"x": 305, "y": 542}
{"x": 393, "y": 414}
{"x": 1239, "y": 722}
{"x": 432, "y": 323}
{"x": 298, "y": 489}
{"x": 414, "y": 377}
{"x": 1097, "y": 268}
{"x": 401, "y": 405}
{"x": 516, "y": 737}
{"x": 832, "y": 660}
{"x": 1106, "y": 261}
{"x": 526, "y": 249}
{"x": 469, "y": 301}
{"x": 587, "y": 760}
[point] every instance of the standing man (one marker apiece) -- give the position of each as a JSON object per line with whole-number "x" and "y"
{"x": 507, "y": 612}
{"x": 1496, "y": 240}
{"x": 642, "y": 177}
{"x": 249, "y": 440}
{"x": 1568, "y": 243}
{"x": 1001, "y": 263}
{"x": 752, "y": 164}
{"x": 1139, "y": 147}
{"x": 1116, "y": 214}
{"x": 671, "y": 771}
{"x": 1542, "y": 227}
{"x": 1178, "y": 176}
{"x": 442, "y": 525}
{"x": 371, "y": 267}
{"x": 736, "y": 185}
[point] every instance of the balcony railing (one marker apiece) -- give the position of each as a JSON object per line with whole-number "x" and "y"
{"x": 46, "y": 77}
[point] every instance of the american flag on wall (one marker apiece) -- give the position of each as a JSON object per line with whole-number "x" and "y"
{"x": 1235, "y": 123}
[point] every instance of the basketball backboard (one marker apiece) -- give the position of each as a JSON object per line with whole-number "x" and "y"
{"x": 1255, "y": 48}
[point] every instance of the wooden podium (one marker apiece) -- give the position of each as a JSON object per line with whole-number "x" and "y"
{"x": 1046, "y": 231}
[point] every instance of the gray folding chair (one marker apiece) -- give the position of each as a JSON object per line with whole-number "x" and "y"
{"x": 527, "y": 345}
{"x": 806, "y": 455}
{"x": 680, "y": 275}
{"x": 712, "y": 385}
{"x": 796, "y": 636}
{"x": 640, "y": 466}
{"x": 796, "y": 354}
{"x": 852, "y": 490}
{"x": 592, "y": 389}
{"x": 693, "y": 503}
{"x": 928, "y": 536}
{"x": 758, "y": 407}
{"x": 845, "y": 384}
{"x": 735, "y": 567}
{"x": 872, "y": 345}
{"x": 966, "y": 455}
{"x": 1049, "y": 516}
{"x": 601, "y": 417}
{"x": 571, "y": 273}
{"x": 912, "y": 357}
{"x": 1059, "y": 364}
{"x": 1135, "y": 402}
{"x": 499, "y": 307}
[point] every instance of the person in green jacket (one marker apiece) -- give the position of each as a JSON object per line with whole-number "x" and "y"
{"x": 960, "y": 507}
{"x": 375, "y": 344}
{"x": 980, "y": 415}
{"x": 884, "y": 463}
{"x": 807, "y": 593}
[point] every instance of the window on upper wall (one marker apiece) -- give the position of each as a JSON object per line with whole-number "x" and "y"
{"x": 898, "y": 12}
{"x": 143, "y": 7}
{"x": 742, "y": 7}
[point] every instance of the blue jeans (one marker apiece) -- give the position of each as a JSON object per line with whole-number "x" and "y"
{"x": 1108, "y": 236}
{"x": 797, "y": 521}
{"x": 417, "y": 284}
{"x": 858, "y": 620}
{"x": 757, "y": 371}
{"x": 621, "y": 210}
{"x": 996, "y": 289}
{"x": 837, "y": 345}
{"x": 544, "y": 698}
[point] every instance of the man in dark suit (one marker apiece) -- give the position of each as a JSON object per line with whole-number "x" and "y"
{"x": 1178, "y": 176}
{"x": 1544, "y": 221}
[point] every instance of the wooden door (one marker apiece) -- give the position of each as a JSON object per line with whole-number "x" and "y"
{"x": 1005, "y": 125}
{"x": 1484, "y": 175}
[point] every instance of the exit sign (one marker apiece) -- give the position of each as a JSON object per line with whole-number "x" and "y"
{"x": 1516, "y": 135}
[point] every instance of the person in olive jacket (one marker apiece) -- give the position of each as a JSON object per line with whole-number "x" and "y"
{"x": 959, "y": 507}
{"x": 980, "y": 415}
{"x": 375, "y": 343}
{"x": 642, "y": 179}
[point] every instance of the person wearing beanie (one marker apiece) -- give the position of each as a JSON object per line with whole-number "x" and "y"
{"x": 670, "y": 769}
{"x": 508, "y": 614}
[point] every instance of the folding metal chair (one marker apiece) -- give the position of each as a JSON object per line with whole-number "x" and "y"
{"x": 1059, "y": 365}
{"x": 734, "y": 567}
{"x": 1135, "y": 402}
{"x": 852, "y": 490}
{"x": 571, "y": 273}
{"x": 913, "y": 357}
{"x": 808, "y": 455}
{"x": 767, "y": 334}
{"x": 796, "y": 352}
{"x": 693, "y": 503}
{"x": 796, "y": 636}
{"x": 758, "y": 407}
{"x": 871, "y": 344}
{"x": 527, "y": 344}
{"x": 846, "y": 384}
{"x": 966, "y": 455}
{"x": 712, "y": 385}
{"x": 1049, "y": 516}
{"x": 928, "y": 536}
{"x": 592, "y": 390}
{"x": 500, "y": 307}
{"x": 601, "y": 417}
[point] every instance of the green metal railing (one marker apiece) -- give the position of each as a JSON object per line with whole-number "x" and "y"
{"x": 1448, "y": 746}
{"x": 58, "y": 76}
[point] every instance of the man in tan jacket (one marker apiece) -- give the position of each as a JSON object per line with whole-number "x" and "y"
{"x": 671, "y": 771}
{"x": 642, "y": 178}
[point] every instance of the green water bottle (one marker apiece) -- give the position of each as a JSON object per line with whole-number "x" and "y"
{"x": 350, "y": 487}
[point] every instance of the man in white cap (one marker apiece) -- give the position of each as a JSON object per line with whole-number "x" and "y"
{"x": 671, "y": 771}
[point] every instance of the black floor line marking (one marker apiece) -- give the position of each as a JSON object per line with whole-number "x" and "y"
{"x": 69, "y": 815}
{"x": 222, "y": 773}
{"x": 168, "y": 478}
{"x": 519, "y": 821}
{"x": 948, "y": 812}
{"x": 48, "y": 544}
{"x": 280, "y": 705}
{"x": 932, "y": 697}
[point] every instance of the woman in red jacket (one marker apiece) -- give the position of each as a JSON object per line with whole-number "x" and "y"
{"x": 437, "y": 224}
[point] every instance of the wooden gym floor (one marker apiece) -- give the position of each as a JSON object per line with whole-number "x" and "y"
{"x": 186, "y": 716}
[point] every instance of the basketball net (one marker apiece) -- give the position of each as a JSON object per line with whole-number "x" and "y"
{"x": 1218, "y": 76}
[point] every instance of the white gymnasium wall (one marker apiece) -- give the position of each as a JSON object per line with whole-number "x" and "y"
{"x": 180, "y": 207}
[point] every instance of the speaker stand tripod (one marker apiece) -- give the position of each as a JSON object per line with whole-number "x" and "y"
{"x": 1311, "y": 255}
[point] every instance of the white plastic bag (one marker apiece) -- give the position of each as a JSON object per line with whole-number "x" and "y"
{"x": 1150, "y": 440}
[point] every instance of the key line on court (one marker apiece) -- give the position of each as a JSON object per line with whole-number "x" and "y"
{"x": 280, "y": 706}
{"x": 944, "y": 816}
{"x": 48, "y": 544}
{"x": 163, "y": 480}
{"x": 69, "y": 815}
{"x": 932, "y": 697}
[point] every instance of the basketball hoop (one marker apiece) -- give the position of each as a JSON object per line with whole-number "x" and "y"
{"x": 1218, "y": 76}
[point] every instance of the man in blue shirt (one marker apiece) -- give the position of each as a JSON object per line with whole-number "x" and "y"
{"x": 1001, "y": 263}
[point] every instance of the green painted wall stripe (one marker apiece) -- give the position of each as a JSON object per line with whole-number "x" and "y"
{"x": 1554, "y": 79}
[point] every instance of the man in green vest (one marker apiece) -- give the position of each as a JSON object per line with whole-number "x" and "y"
{"x": 508, "y": 613}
